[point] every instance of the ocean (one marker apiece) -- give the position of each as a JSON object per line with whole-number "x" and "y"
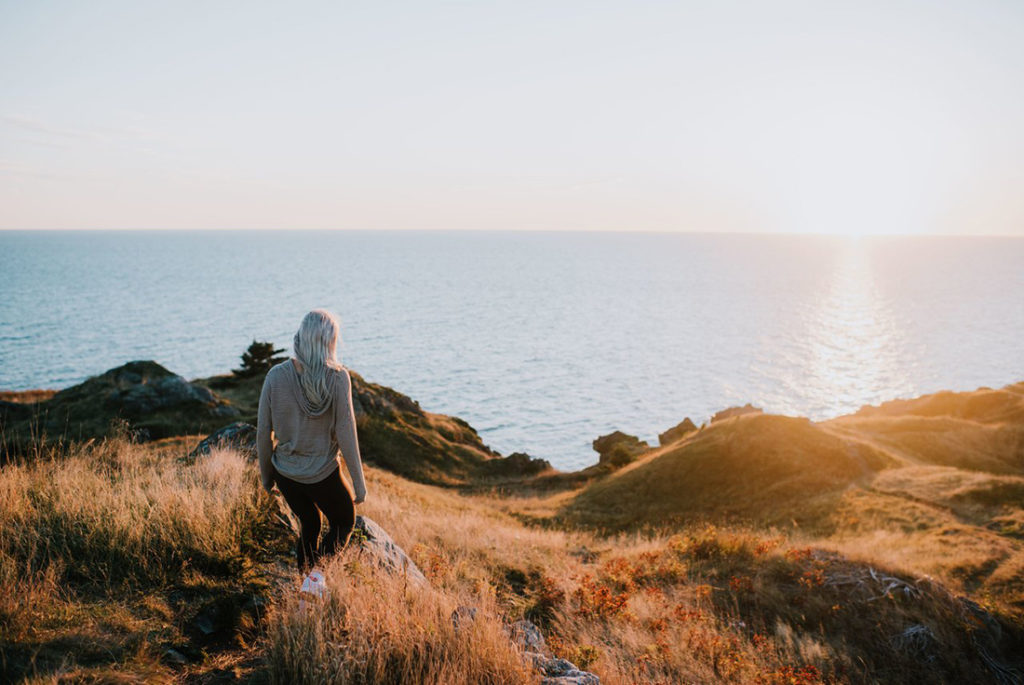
{"x": 542, "y": 341}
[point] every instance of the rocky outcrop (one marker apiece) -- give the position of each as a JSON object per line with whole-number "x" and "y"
{"x": 678, "y": 431}
{"x": 140, "y": 388}
{"x": 530, "y": 641}
{"x": 736, "y": 411}
{"x": 528, "y": 638}
{"x": 618, "y": 449}
{"x": 398, "y": 435}
{"x": 515, "y": 464}
{"x": 152, "y": 401}
{"x": 239, "y": 436}
{"x": 379, "y": 400}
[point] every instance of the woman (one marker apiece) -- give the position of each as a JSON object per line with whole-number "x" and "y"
{"x": 305, "y": 415}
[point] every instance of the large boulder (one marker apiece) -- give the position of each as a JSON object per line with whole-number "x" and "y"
{"x": 678, "y": 431}
{"x": 380, "y": 400}
{"x": 240, "y": 436}
{"x": 618, "y": 449}
{"x": 375, "y": 541}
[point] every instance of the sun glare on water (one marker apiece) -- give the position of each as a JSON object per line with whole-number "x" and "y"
{"x": 857, "y": 349}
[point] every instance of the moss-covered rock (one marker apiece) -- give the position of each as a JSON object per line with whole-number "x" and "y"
{"x": 152, "y": 401}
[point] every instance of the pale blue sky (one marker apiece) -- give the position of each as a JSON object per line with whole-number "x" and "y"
{"x": 862, "y": 117}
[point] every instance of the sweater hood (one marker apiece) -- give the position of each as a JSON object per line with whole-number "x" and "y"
{"x": 307, "y": 407}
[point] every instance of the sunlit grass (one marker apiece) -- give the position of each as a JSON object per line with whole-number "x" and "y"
{"x": 107, "y": 548}
{"x": 95, "y": 540}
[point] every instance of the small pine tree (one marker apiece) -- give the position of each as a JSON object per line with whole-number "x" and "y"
{"x": 258, "y": 359}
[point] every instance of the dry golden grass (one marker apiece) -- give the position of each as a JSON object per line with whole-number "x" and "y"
{"x": 932, "y": 486}
{"x": 95, "y": 540}
{"x": 701, "y": 606}
{"x": 112, "y": 514}
{"x": 376, "y": 628}
{"x": 762, "y": 468}
{"x": 106, "y": 551}
{"x": 941, "y": 440}
{"x": 26, "y": 396}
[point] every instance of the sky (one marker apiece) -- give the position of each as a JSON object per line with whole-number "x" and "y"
{"x": 858, "y": 117}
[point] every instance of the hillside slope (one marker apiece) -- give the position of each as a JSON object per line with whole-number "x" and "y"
{"x": 767, "y": 468}
{"x": 933, "y": 485}
{"x": 133, "y": 563}
{"x": 154, "y": 403}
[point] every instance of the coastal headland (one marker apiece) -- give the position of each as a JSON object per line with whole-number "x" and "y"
{"x": 884, "y": 546}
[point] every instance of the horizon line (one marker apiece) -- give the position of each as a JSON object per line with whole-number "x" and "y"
{"x": 152, "y": 229}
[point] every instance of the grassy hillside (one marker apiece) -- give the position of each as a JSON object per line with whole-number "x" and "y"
{"x": 771, "y": 469}
{"x": 127, "y": 562}
{"x": 928, "y": 486}
{"x": 884, "y": 546}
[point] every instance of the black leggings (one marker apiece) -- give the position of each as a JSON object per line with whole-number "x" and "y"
{"x": 306, "y": 501}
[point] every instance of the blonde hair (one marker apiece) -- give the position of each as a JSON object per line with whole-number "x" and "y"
{"x": 316, "y": 346}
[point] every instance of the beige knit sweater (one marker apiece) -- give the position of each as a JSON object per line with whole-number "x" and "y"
{"x": 303, "y": 446}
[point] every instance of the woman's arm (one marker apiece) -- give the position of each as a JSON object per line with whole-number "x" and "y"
{"x": 345, "y": 433}
{"x": 264, "y": 441}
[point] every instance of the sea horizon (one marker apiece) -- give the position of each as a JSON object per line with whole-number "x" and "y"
{"x": 541, "y": 340}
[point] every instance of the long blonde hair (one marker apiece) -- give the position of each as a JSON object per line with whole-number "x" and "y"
{"x": 316, "y": 347}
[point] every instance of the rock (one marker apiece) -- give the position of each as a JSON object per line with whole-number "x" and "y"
{"x": 527, "y": 637}
{"x": 175, "y": 658}
{"x": 204, "y": 624}
{"x": 618, "y": 449}
{"x": 239, "y": 435}
{"x": 225, "y": 411}
{"x": 559, "y": 667}
{"x": 564, "y": 672}
{"x": 380, "y": 400}
{"x": 374, "y": 540}
{"x": 141, "y": 397}
{"x": 515, "y": 464}
{"x": 677, "y": 431}
{"x": 574, "y": 677}
{"x": 137, "y": 395}
{"x": 536, "y": 660}
{"x": 556, "y": 671}
{"x": 736, "y": 411}
{"x": 463, "y": 617}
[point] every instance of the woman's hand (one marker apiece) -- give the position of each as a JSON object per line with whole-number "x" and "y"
{"x": 360, "y": 498}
